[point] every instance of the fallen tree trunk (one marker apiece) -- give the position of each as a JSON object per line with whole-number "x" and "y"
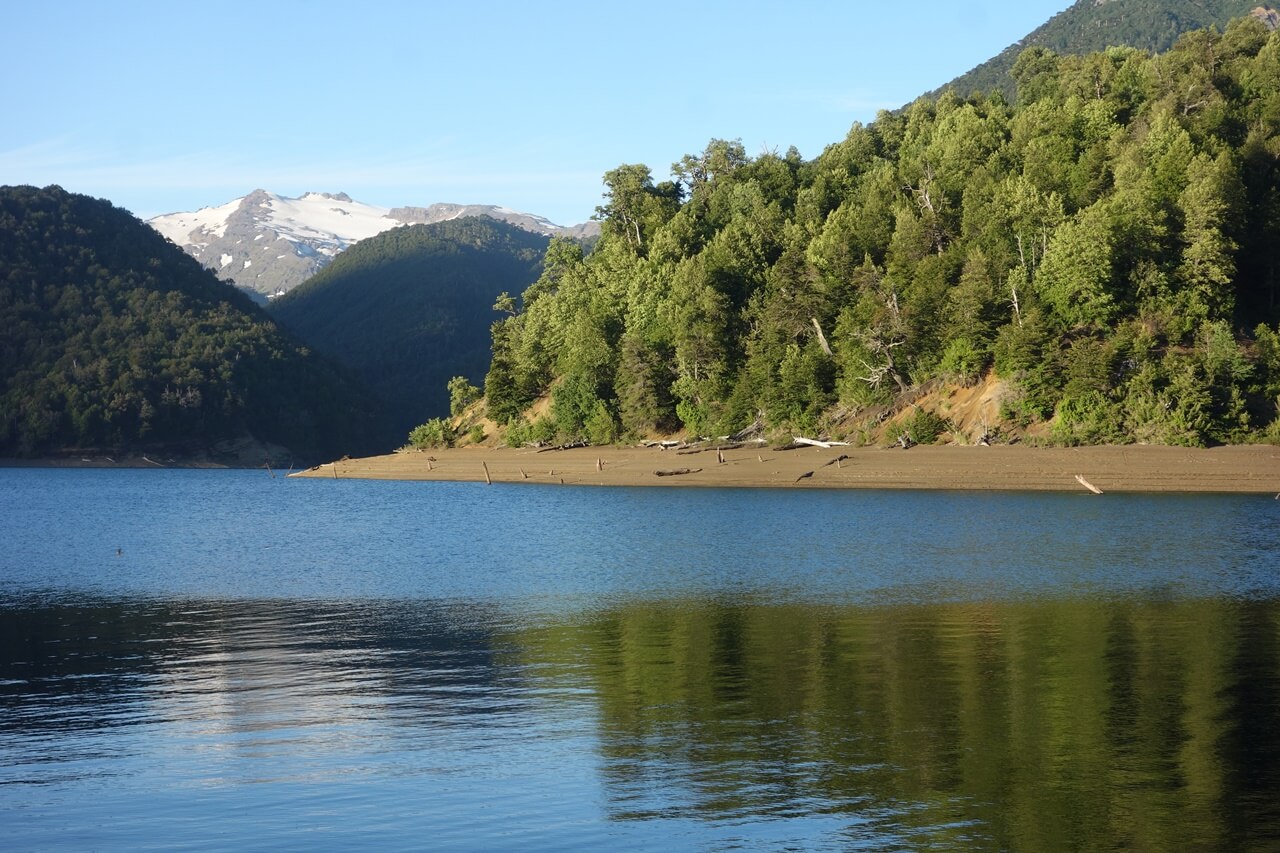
{"x": 677, "y": 472}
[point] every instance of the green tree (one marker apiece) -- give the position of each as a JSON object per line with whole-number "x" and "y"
{"x": 1076, "y": 277}
{"x": 461, "y": 394}
{"x": 1210, "y": 205}
{"x": 634, "y": 206}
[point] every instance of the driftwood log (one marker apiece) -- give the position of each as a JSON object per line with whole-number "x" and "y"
{"x": 676, "y": 472}
{"x": 813, "y": 442}
{"x": 1090, "y": 486}
{"x": 570, "y": 446}
{"x": 719, "y": 448}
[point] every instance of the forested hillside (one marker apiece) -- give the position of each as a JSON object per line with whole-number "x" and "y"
{"x": 1094, "y": 25}
{"x": 115, "y": 340}
{"x": 410, "y": 308}
{"x": 1104, "y": 246}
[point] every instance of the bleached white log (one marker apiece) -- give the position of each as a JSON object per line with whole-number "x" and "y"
{"x": 1090, "y": 486}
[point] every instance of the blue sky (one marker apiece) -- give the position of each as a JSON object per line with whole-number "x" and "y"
{"x": 165, "y": 106}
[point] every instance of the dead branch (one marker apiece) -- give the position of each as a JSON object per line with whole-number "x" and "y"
{"x": 822, "y": 339}
{"x": 754, "y": 429}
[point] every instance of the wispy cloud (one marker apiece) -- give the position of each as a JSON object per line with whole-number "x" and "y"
{"x": 848, "y": 102}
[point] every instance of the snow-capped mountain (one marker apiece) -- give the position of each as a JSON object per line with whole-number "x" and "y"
{"x": 269, "y": 243}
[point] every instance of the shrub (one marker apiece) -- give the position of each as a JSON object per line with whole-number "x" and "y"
{"x": 925, "y": 427}
{"x": 1089, "y": 418}
{"x": 962, "y": 361}
{"x": 521, "y": 432}
{"x": 436, "y": 432}
{"x": 601, "y": 427}
{"x": 542, "y": 430}
{"x": 1167, "y": 403}
{"x": 516, "y": 434}
{"x": 1270, "y": 435}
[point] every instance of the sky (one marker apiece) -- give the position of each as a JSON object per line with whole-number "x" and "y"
{"x": 172, "y": 106}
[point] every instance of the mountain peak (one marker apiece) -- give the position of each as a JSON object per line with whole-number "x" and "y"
{"x": 330, "y": 196}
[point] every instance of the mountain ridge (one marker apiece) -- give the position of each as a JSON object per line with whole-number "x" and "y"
{"x": 268, "y": 243}
{"x": 116, "y": 341}
{"x": 410, "y": 308}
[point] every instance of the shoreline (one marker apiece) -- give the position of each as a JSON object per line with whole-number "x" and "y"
{"x": 1240, "y": 469}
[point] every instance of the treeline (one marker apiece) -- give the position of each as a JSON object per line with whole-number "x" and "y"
{"x": 1105, "y": 244}
{"x": 114, "y": 339}
{"x": 410, "y": 308}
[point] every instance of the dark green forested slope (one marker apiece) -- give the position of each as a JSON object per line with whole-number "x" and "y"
{"x": 1107, "y": 245}
{"x": 1094, "y": 25}
{"x": 410, "y": 308}
{"x": 116, "y": 340}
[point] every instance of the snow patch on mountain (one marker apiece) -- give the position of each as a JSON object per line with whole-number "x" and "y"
{"x": 332, "y": 221}
{"x": 207, "y": 223}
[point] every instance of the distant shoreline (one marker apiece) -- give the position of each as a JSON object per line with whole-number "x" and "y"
{"x": 110, "y": 462}
{"x": 1243, "y": 469}
{"x": 103, "y": 461}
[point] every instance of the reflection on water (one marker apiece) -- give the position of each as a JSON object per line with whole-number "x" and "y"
{"x": 1060, "y": 724}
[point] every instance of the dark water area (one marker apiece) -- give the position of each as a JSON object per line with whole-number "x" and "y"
{"x": 208, "y": 660}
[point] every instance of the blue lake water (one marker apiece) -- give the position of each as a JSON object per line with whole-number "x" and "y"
{"x": 218, "y": 659}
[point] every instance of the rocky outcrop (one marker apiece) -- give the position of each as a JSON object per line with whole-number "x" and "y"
{"x": 1270, "y": 17}
{"x": 442, "y": 212}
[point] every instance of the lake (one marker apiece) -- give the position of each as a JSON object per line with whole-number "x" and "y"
{"x": 221, "y": 659}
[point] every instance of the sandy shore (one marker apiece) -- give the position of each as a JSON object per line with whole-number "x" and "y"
{"x": 1245, "y": 469}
